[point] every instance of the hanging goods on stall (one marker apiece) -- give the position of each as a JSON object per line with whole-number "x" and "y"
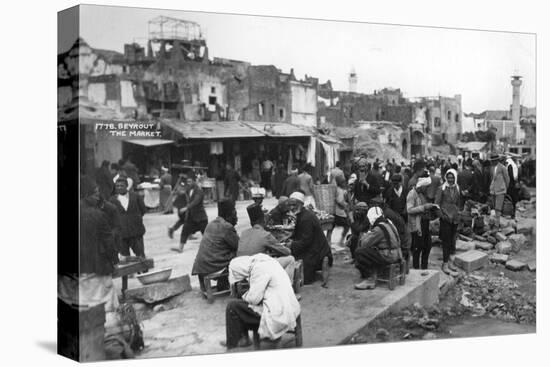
{"x": 311, "y": 151}
{"x": 216, "y": 147}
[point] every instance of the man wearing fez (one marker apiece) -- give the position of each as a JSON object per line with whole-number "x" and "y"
{"x": 219, "y": 242}
{"x": 308, "y": 243}
{"x": 193, "y": 214}
{"x": 131, "y": 209}
{"x": 279, "y": 213}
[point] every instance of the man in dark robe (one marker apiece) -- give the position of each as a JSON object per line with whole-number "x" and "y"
{"x": 195, "y": 218}
{"x": 231, "y": 183}
{"x": 291, "y": 184}
{"x": 131, "y": 209}
{"x": 308, "y": 242}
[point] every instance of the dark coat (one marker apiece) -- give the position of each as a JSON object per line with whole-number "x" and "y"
{"x": 195, "y": 207}
{"x": 231, "y": 184}
{"x": 97, "y": 253}
{"x": 397, "y": 203}
{"x": 364, "y": 194}
{"x": 277, "y": 185}
{"x": 309, "y": 244}
{"x": 131, "y": 220}
{"x": 218, "y": 246}
{"x": 104, "y": 181}
{"x": 276, "y": 216}
{"x": 401, "y": 226}
{"x": 291, "y": 184}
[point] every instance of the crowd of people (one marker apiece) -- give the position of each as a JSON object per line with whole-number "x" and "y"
{"x": 385, "y": 207}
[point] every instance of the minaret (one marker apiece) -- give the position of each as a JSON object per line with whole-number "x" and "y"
{"x": 352, "y": 80}
{"x": 516, "y": 108}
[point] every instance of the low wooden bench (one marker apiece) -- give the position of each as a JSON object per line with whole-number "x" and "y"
{"x": 125, "y": 269}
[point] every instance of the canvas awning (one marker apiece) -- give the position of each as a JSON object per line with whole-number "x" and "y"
{"x": 279, "y": 129}
{"x": 210, "y": 130}
{"x": 149, "y": 142}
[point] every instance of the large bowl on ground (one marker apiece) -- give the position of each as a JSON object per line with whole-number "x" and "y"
{"x": 158, "y": 276}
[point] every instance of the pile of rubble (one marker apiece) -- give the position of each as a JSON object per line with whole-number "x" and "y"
{"x": 501, "y": 245}
{"x": 494, "y": 296}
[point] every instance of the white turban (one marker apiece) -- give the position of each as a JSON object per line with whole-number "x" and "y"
{"x": 373, "y": 214}
{"x": 298, "y": 196}
{"x": 423, "y": 181}
{"x": 352, "y": 179}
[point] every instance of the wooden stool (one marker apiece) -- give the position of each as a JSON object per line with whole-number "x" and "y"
{"x": 390, "y": 274}
{"x": 298, "y": 276}
{"x": 298, "y": 339}
{"x": 209, "y": 291}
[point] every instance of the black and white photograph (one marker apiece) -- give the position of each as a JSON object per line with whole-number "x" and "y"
{"x": 238, "y": 183}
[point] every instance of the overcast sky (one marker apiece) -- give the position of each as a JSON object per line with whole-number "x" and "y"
{"x": 421, "y": 61}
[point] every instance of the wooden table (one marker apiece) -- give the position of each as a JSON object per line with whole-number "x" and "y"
{"x": 123, "y": 270}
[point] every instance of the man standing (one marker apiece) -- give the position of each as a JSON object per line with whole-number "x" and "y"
{"x": 97, "y": 256}
{"x": 104, "y": 180}
{"x": 335, "y": 172}
{"x": 419, "y": 225}
{"x": 308, "y": 242}
{"x": 219, "y": 243}
{"x": 266, "y": 173}
{"x": 165, "y": 191}
{"x": 513, "y": 186}
{"x": 131, "y": 209}
{"x": 291, "y": 184}
{"x": 499, "y": 185}
{"x": 367, "y": 186}
{"x": 194, "y": 214}
{"x": 396, "y": 197}
{"x": 306, "y": 185}
{"x": 231, "y": 183}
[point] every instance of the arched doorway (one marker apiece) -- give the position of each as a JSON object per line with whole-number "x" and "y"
{"x": 404, "y": 148}
{"x": 417, "y": 146}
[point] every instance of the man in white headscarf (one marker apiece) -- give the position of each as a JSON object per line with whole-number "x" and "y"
{"x": 418, "y": 212}
{"x": 380, "y": 246}
{"x": 269, "y": 306}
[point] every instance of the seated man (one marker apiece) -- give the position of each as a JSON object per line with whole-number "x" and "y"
{"x": 218, "y": 244}
{"x": 269, "y": 306}
{"x": 257, "y": 240}
{"x": 308, "y": 243}
{"x": 358, "y": 226}
{"x": 379, "y": 247}
{"x": 279, "y": 213}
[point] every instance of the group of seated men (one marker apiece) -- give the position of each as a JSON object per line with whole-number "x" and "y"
{"x": 270, "y": 306}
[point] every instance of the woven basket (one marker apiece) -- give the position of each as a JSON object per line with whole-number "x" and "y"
{"x": 325, "y": 197}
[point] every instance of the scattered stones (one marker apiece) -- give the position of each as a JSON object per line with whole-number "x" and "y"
{"x": 429, "y": 336}
{"x": 471, "y": 260}
{"x": 526, "y": 226}
{"x": 499, "y": 258}
{"x": 500, "y": 237}
{"x": 159, "y": 308}
{"x": 492, "y": 240}
{"x": 464, "y": 238}
{"x": 382, "y": 334}
{"x": 480, "y": 238}
{"x": 508, "y": 231}
{"x": 486, "y": 246}
{"x": 428, "y": 323}
{"x": 517, "y": 241}
{"x": 157, "y": 292}
{"x": 515, "y": 265}
{"x": 139, "y": 306}
{"x": 464, "y": 246}
{"x": 504, "y": 247}
{"x": 532, "y": 265}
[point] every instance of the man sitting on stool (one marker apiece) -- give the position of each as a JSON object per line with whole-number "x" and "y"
{"x": 257, "y": 240}
{"x": 269, "y": 306}
{"x": 378, "y": 248}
